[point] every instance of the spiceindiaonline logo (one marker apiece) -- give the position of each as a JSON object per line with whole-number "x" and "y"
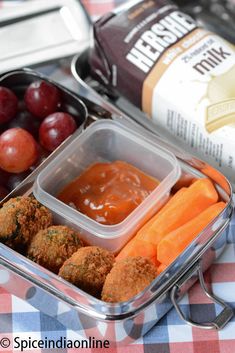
{"x": 46, "y": 343}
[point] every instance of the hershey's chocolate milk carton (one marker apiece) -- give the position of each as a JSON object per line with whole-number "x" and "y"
{"x": 180, "y": 75}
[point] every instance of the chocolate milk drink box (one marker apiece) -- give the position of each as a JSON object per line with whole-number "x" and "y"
{"x": 182, "y": 76}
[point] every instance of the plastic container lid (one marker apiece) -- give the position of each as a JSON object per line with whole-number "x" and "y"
{"x": 107, "y": 141}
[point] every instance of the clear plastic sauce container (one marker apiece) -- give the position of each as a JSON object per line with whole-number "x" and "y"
{"x": 107, "y": 141}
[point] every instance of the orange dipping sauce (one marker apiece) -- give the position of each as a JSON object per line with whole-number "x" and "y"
{"x": 108, "y": 192}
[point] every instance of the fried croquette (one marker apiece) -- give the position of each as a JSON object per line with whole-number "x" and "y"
{"x": 52, "y": 246}
{"x": 127, "y": 278}
{"x": 87, "y": 269}
{"x": 20, "y": 219}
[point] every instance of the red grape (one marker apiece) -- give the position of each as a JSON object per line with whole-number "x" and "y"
{"x": 18, "y": 150}
{"x": 42, "y": 98}
{"x": 55, "y": 129}
{"x": 8, "y": 104}
{"x": 26, "y": 121}
{"x": 42, "y": 155}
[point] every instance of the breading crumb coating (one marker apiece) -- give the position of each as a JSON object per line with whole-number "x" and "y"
{"x": 52, "y": 246}
{"x": 88, "y": 268}
{"x": 20, "y": 219}
{"x": 127, "y": 278}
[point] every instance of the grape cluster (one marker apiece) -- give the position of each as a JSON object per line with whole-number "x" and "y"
{"x": 31, "y": 128}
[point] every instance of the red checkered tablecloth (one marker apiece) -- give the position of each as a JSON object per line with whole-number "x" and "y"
{"x": 171, "y": 334}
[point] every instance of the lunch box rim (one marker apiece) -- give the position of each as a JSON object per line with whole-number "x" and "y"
{"x": 148, "y": 288}
{"x": 141, "y": 295}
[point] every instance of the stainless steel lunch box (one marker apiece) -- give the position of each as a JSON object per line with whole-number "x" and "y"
{"x": 123, "y": 322}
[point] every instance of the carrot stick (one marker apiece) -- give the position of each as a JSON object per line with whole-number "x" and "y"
{"x": 185, "y": 180}
{"x": 181, "y": 208}
{"x": 169, "y": 203}
{"x": 215, "y": 175}
{"x": 175, "y": 242}
{"x": 137, "y": 247}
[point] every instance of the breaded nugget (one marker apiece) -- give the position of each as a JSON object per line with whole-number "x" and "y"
{"x": 20, "y": 219}
{"x": 52, "y": 246}
{"x": 127, "y": 278}
{"x": 87, "y": 269}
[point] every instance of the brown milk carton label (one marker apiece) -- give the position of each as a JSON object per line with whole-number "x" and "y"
{"x": 180, "y": 75}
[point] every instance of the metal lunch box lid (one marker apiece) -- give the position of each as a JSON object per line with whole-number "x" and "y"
{"x": 40, "y": 31}
{"x": 216, "y": 15}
